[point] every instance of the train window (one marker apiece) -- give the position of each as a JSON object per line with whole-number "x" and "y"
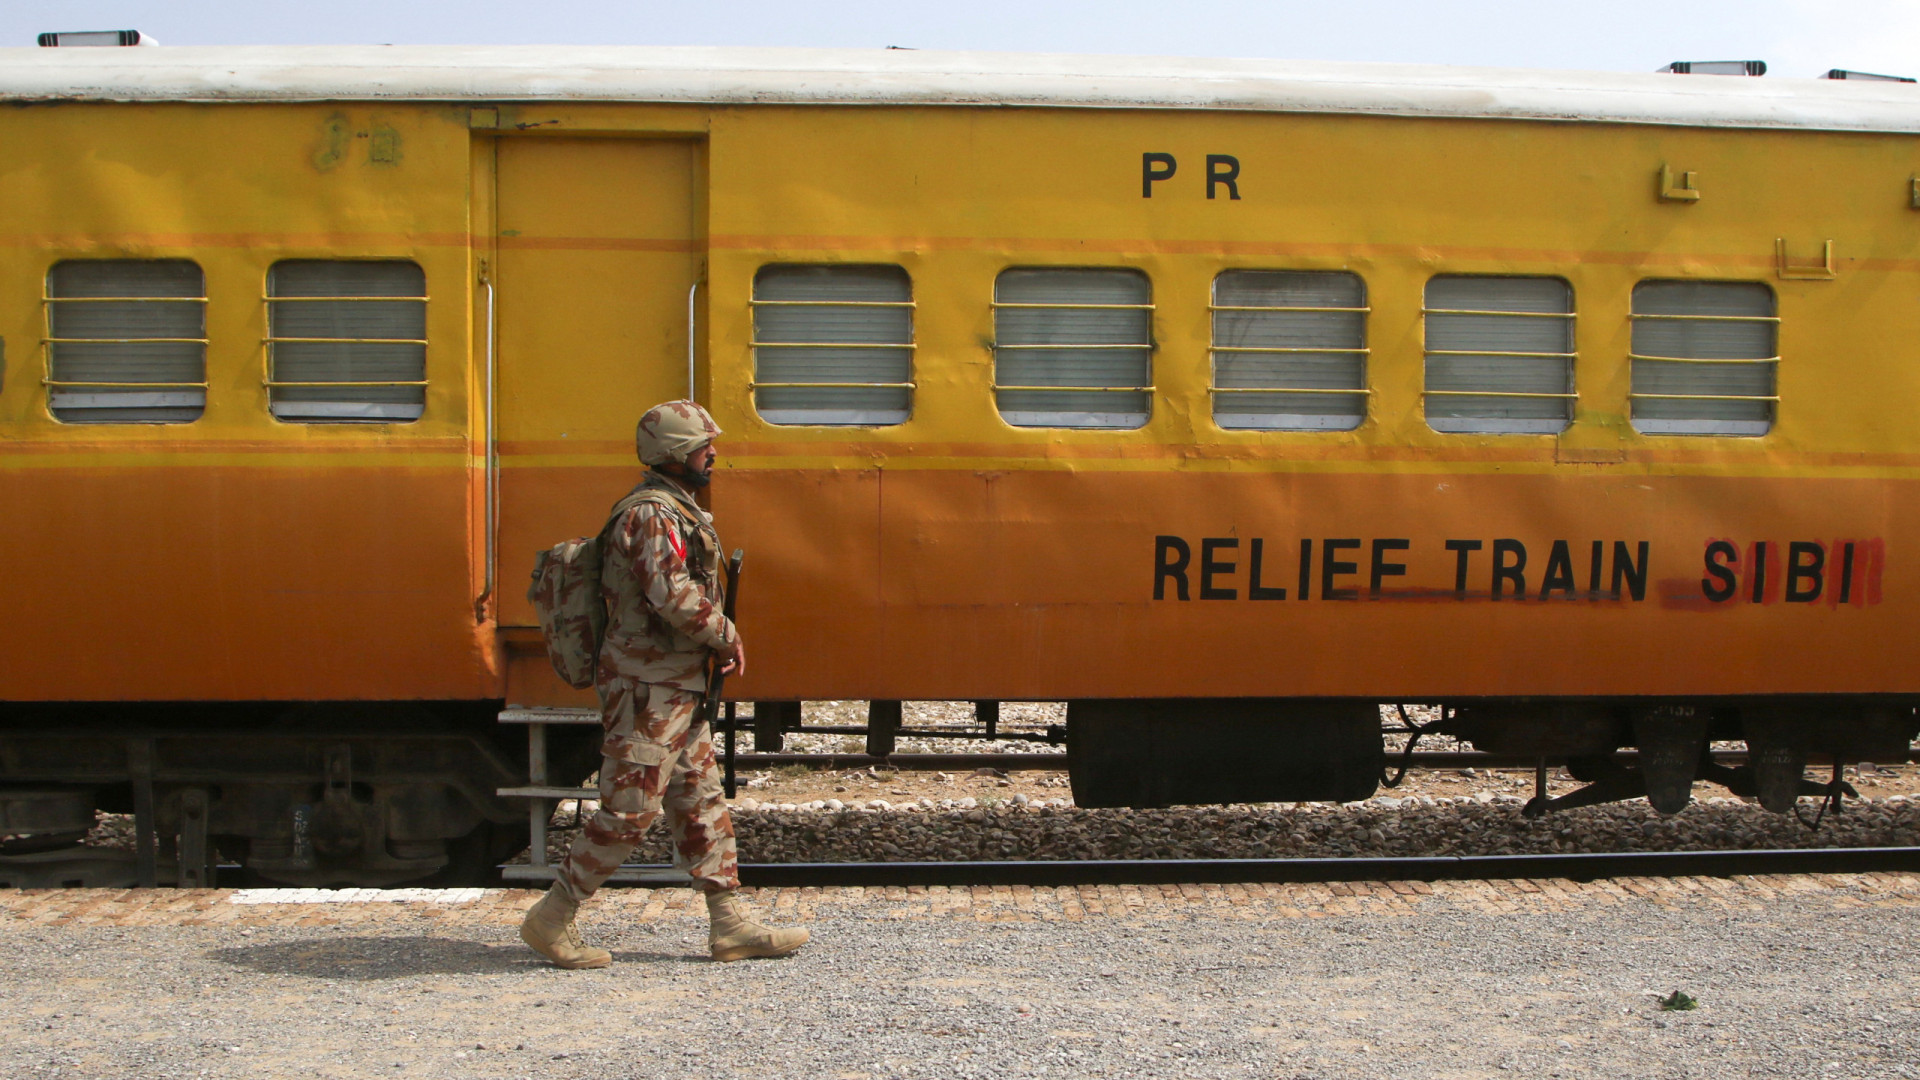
{"x": 1705, "y": 355}
{"x": 833, "y": 345}
{"x": 126, "y": 341}
{"x": 1073, "y": 348}
{"x": 1289, "y": 350}
{"x": 1499, "y": 354}
{"x": 346, "y": 341}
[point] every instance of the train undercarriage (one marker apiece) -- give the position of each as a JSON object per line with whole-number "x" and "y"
{"x": 364, "y": 794}
{"x": 376, "y": 795}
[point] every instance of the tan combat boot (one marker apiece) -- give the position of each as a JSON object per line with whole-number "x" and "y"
{"x": 733, "y": 936}
{"x": 549, "y": 928}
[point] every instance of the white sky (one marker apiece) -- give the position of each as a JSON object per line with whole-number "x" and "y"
{"x": 1795, "y": 37}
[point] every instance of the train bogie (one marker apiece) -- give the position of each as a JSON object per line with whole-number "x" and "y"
{"x": 314, "y": 795}
{"x": 1674, "y": 743}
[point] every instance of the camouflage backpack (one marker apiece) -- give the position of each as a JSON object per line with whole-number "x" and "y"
{"x": 565, "y": 595}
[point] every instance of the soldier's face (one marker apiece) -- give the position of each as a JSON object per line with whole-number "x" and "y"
{"x": 700, "y": 466}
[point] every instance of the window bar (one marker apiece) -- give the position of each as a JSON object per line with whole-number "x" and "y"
{"x": 344, "y": 341}
{"x": 1246, "y": 307}
{"x": 267, "y": 343}
{"x": 1707, "y": 397}
{"x": 832, "y": 344}
{"x": 756, "y": 385}
{"x": 1285, "y": 390}
{"x": 1705, "y": 360}
{"x": 1327, "y": 352}
{"x": 1710, "y": 318}
{"x": 142, "y": 385}
{"x": 1498, "y": 393}
{"x": 1215, "y": 351}
{"x": 1515, "y": 314}
{"x": 266, "y": 359}
{"x": 48, "y": 341}
{"x": 123, "y": 299}
{"x": 1081, "y": 389}
{"x": 1078, "y": 307}
{"x": 1502, "y": 352}
{"x": 124, "y": 341}
{"x": 833, "y": 303}
{"x": 346, "y": 299}
{"x": 1088, "y": 345}
{"x": 46, "y": 358}
{"x": 276, "y": 382}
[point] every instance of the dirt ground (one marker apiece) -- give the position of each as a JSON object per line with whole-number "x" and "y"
{"x": 1784, "y": 977}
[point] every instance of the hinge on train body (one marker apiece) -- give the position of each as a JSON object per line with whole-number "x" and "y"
{"x": 1684, "y": 191}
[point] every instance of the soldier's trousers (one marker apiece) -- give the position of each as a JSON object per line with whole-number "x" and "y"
{"x": 655, "y": 758}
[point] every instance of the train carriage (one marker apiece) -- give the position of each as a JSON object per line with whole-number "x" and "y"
{"x": 1222, "y": 399}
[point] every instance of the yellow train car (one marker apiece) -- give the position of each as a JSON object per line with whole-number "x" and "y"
{"x": 1213, "y": 397}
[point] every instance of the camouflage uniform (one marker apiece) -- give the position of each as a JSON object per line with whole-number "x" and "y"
{"x": 663, "y": 593}
{"x": 660, "y": 576}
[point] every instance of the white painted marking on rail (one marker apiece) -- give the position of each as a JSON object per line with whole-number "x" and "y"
{"x": 355, "y": 896}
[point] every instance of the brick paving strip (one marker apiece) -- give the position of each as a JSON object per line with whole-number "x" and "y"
{"x": 1017, "y": 903}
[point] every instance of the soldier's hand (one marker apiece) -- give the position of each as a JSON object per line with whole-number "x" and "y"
{"x": 733, "y": 657}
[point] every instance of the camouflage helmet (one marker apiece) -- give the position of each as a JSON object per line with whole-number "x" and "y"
{"x": 672, "y": 431}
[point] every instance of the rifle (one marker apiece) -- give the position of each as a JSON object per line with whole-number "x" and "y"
{"x": 717, "y": 680}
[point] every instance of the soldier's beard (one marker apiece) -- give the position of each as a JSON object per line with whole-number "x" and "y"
{"x": 686, "y": 474}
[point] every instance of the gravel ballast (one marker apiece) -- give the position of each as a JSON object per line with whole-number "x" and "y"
{"x": 1792, "y": 979}
{"x": 1387, "y": 827}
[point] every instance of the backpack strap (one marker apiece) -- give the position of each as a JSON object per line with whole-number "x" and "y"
{"x": 643, "y": 494}
{"x": 632, "y": 499}
{"x": 667, "y": 493}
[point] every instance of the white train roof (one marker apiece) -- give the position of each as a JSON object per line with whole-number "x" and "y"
{"x": 890, "y": 77}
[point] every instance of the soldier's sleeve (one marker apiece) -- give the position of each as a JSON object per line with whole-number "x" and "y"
{"x": 660, "y": 561}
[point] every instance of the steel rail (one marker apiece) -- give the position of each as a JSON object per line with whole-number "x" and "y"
{"x": 1066, "y": 873}
{"x": 919, "y": 733}
{"x": 1425, "y": 760}
{"x": 906, "y": 762}
{"x": 1572, "y": 867}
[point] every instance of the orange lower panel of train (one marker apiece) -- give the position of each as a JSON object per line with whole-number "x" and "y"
{"x": 951, "y": 584}
{"x": 341, "y": 584}
{"x": 189, "y": 582}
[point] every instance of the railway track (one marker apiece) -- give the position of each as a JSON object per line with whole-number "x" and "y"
{"x": 1051, "y": 873}
{"x": 1013, "y": 761}
{"x": 1073, "y": 872}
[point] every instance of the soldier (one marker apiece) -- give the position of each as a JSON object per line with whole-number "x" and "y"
{"x": 663, "y": 593}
